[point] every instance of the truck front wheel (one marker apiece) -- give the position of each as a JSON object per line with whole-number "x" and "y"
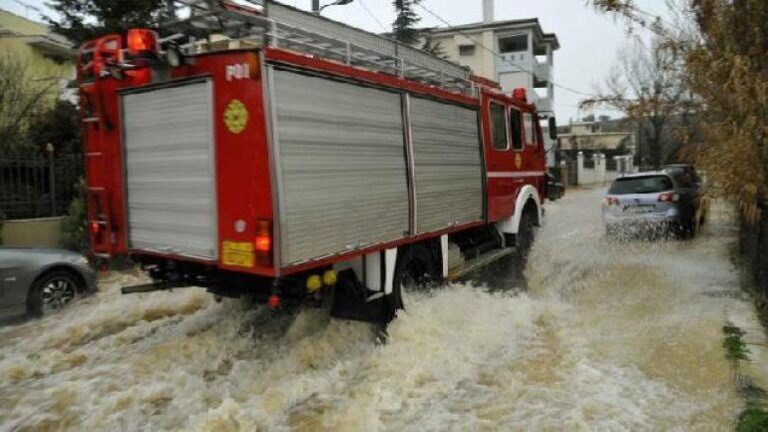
{"x": 525, "y": 235}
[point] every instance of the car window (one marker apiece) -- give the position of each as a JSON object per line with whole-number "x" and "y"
{"x": 640, "y": 185}
{"x": 684, "y": 179}
{"x": 498, "y": 127}
{"x": 530, "y": 134}
{"x": 515, "y": 128}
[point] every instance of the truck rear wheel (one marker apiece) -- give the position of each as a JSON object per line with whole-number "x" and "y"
{"x": 414, "y": 271}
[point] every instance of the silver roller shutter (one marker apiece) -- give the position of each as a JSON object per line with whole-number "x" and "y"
{"x": 342, "y": 166}
{"x": 447, "y": 164}
{"x": 169, "y": 169}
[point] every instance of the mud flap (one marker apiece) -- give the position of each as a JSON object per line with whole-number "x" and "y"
{"x": 353, "y": 301}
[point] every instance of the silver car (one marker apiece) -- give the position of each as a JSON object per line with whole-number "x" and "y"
{"x": 41, "y": 281}
{"x": 660, "y": 201}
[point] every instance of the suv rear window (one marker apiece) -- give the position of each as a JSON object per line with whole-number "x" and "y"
{"x": 640, "y": 185}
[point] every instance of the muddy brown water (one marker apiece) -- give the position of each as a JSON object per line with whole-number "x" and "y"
{"x": 603, "y": 336}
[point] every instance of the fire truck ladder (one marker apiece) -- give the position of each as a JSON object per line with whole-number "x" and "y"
{"x": 277, "y": 25}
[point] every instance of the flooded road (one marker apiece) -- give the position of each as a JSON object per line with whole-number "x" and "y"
{"x": 603, "y": 336}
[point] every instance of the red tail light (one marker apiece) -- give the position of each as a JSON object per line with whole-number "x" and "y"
{"x": 95, "y": 227}
{"x": 609, "y": 201}
{"x": 669, "y": 197}
{"x": 263, "y": 242}
{"x": 142, "y": 41}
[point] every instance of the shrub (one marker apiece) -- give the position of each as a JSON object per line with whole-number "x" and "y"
{"x": 74, "y": 228}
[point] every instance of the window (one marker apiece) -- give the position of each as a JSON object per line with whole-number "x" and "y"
{"x": 466, "y": 50}
{"x": 498, "y": 127}
{"x": 530, "y": 137}
{"x": 516, "y": 129}
{"x": 513, "y": 44}
{"x": 640, "y": 185}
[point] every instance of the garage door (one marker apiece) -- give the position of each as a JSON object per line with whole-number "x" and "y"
{"x": 169, "y": 170}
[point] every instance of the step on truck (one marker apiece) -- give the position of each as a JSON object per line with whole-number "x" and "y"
{"x": 271, "y": 153}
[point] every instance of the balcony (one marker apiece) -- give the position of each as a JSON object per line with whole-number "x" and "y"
{"x": 542, "y": 70}
{"x": 513, "y": 61}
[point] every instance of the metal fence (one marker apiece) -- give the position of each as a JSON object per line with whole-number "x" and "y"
{"x": 38, "y": 186}
{"x": 754, "y": 244}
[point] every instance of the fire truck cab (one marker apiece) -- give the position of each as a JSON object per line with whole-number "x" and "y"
{"x": 256, "y": 166}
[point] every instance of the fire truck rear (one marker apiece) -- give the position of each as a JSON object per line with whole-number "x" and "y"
{"x": 283, "y": 164}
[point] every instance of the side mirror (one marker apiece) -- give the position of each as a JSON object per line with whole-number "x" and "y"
{"x": 552, "y": 128}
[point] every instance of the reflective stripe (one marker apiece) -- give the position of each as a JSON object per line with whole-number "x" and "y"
{"x": 507, "y": 174}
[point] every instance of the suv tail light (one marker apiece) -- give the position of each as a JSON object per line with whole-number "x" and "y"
{"x": 669, "y": 197}
{"x": 609, "y": 201}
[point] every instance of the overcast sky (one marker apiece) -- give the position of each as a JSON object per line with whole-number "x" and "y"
{"x": 589, "y": 40}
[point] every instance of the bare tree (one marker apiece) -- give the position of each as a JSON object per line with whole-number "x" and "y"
{"x": 648, "y": 84}
{"x": 23, "y": 94}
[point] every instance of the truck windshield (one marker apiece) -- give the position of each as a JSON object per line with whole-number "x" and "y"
{"x": 640, "y": 185}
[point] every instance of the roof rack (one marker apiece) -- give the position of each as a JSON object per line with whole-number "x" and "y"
{"x": 276, "y": 25}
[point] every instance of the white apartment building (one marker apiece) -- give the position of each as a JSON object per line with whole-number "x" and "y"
{"x": 515, "y": 53}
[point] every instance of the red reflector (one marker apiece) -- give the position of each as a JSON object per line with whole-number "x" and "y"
{"x": 142, "y": 41}
{"x": 274, "y": 301}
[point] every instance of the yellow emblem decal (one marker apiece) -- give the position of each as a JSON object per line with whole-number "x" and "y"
{"x": 518, "y": 161}
{"x": 236, "y": 116}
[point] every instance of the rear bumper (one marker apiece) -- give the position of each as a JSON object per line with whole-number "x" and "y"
{"x": 670, "y": 217}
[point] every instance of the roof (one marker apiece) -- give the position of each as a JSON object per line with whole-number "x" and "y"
{"x": 502, "y": 25}
{"x": 34, "y": 33}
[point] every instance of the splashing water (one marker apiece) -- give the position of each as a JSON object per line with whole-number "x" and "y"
{"x": 607, "y": 336}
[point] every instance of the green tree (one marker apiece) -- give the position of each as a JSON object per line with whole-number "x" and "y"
{"x": 724, "y": 44}
{"x": 58, "y": 125}
{"x": 404, "y": 27}
{"x": 83, "y": 20}
{"x": 24, "y": 93}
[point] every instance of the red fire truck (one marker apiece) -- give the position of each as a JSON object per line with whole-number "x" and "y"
{"x": 283, "y": 162}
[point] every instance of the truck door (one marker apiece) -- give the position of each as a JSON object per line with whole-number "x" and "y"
{"x": 504, "y": 156}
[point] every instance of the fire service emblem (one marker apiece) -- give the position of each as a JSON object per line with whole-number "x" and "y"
{"x": 518, "y": 161}
{"x": 236, "y": 116}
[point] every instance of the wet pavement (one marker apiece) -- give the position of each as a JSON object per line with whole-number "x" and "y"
{"x": 592, "y": 335}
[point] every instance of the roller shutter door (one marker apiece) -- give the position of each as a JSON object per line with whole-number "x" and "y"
{"x": 342, "y": 175}
{"x": 169, "y": 169}
{"x": 448, "y": 165}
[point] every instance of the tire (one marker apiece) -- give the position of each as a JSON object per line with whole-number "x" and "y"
{"x": 414, "y": 271}
{"x": 525, "y": 236}
{"x": 53, "y": 291}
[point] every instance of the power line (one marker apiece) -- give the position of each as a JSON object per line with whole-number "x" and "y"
{"x": 372, "y": 15}
{"x": 496, "y": 54}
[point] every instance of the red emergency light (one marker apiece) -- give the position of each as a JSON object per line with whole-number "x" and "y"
{"x": 142, "y": 42}
{"x": 519, "y": 93}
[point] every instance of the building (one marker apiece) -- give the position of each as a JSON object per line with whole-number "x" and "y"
{"x": 515, "y": 53}
{"x": 47, "y": 56}
{"x": 599, "y": 135}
